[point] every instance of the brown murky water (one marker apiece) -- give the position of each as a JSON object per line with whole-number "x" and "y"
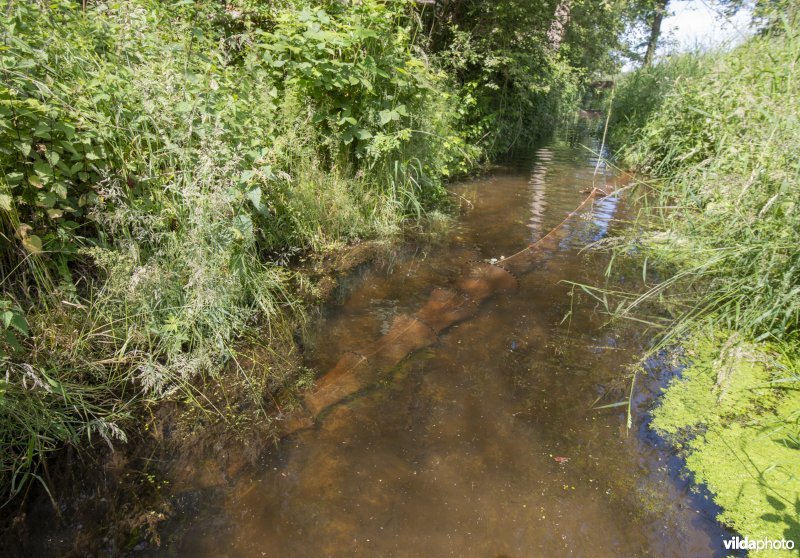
{"x": 486, "y": 443}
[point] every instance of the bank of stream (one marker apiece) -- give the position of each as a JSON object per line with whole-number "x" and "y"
{"x": 489, "y": 442}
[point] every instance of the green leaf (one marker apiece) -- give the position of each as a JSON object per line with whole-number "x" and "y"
{"x": 254, "y": 196}
{"x": 42, "y": 168}
{"x": 46, "y": 199}
{"x": 55, "y": 384}
{"x": 245, "y": 177}
{"x": 32, "y": 243}
{"x": 59, "y": 189}
{"x": 14, "y": 178}
{"x": 24, "y": 148}
{"x": 11, "y": 340}
{"x": 42, "y": 130}
{"x": 5, "y": 202}
{"x": 242, "y": 226}
{"x": 87, "y": 199}
{"x": 387, "y": 116}
{"x": 19, "y": 323}
{"x": 67, "y": 129}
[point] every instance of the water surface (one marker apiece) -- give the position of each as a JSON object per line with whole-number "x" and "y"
{"x": 485, "y": 444}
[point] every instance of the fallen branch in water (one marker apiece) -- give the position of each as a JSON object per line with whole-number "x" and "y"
{"x": 444, "y": 308}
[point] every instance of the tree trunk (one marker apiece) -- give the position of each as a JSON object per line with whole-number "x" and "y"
{"x": 655, "y": 31}
{"x": 558, "y": 28}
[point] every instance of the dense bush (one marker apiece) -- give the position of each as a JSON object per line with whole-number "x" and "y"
{"x": 724, "y": 136}
{"x": 516, "y": 86}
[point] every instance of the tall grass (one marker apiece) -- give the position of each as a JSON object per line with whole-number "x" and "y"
{"x": 719, "y": 242}
{"x": 722, "y": 130}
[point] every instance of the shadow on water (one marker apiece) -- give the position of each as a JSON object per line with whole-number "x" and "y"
{"x": 486, "y": 443}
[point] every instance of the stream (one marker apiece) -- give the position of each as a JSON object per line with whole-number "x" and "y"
{"x": 488, "y": 443}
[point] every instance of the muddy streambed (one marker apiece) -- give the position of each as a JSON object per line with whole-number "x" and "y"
{"x": 484, "y": 444}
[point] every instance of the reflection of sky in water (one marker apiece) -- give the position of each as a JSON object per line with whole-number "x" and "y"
{"x": 604, "y": 210}
{"x": 539, "y": 192}
{"x": 593, "y": 223}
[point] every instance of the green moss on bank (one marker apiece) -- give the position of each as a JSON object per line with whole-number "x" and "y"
{"x": 734, "y": 412}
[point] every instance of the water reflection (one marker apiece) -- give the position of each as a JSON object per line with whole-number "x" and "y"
{"x": 537, "y": 192}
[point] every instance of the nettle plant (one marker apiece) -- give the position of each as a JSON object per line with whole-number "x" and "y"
{"x": 356, "y": 66}
{"x": 47, "y": 169}
{"x": 13, "y": 325}
{"x": 69, "y": 120}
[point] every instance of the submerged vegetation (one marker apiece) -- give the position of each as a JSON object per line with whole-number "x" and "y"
{"x": 162, "y": 164}
{"x": 720, "y": 132}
